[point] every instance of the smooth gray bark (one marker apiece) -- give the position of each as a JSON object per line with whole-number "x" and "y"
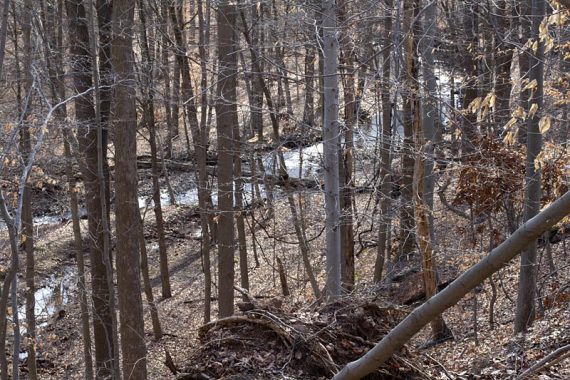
{"x": 497, "y": 259}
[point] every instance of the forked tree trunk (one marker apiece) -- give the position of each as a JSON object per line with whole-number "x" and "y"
{"x": 494, "y": 261}
{"x": 127, "y": 211}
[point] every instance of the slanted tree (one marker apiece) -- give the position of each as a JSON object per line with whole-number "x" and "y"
{"x": 498, "y": 258}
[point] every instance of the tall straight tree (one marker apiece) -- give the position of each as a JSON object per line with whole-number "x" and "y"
{"x": 27, "y": 219}
{"x": 226, "y": 118}
{"x": 527, "y": 278}
{"x": 410, "y": 60}
{"x": 124, "y": 119}
{"x": 424, "y": 134}
{"x": 331, "y": 140}
{"x": 347, "y": 149}
{"x": 87, "y": 136}
{"x": 385, "y": 156}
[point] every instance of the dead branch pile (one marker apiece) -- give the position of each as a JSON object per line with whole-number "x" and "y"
{"x": 268, "y": 343}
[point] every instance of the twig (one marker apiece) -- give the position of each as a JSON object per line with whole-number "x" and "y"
{"x": 562, "y": 352}
{"x": 443, "y": 199}
{"x": 285, "y": 337}
{"x": 439, "y": 365}
{"x": 246, "y": 294}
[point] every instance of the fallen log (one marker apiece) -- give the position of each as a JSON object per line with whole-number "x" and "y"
{"x": 417, "y": 319}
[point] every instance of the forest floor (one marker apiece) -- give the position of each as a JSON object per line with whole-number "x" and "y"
{"x": 478, "y": 350}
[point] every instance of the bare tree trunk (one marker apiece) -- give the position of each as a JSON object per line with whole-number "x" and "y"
{"x": 102, "y": 75}
{"x": 385, "y": 156}
{"x": 422, "y": 210}
{"x": 166, "y": 77}
{"x": 309, "y": 110}
{"x": 504, "y": 55}
{"x": 470, "y": 131}
{"x": 430, "y": 112}
{"x": 78, "y": 242}
{"x": 525, "y": 312}
{"x": 3, "y": 33}
{"x": 346, "y": 151}
{"x": 103, "y": 106}
{"x": 331, "y": 147}
{"x": 240, "y": 218}
{"x": 257, "y": 68}
{"x": 156, "y": 328}
{"x": 85, "y": 114}
{"x": 127, "y": 212}
{"x": 226, "y": 117}
{"x": 201, "y": 149}
{"x": 27, "y": 219}
{"x": 417, "y": 319}
{"x": 148, "y": 106}
{"x": 407, "y": 200}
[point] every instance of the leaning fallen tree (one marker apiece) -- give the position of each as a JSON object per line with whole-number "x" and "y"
{"x": 497, "y": 259}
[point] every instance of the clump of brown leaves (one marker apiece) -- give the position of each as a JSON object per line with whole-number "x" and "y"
{"x": 494, "y": 172}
